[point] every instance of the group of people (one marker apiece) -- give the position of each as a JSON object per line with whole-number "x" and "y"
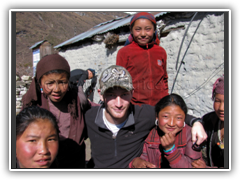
{"x": 137, "y": 125}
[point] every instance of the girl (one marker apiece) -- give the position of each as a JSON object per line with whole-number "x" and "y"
{"x": 214, "y": 126}
{"x": 50, "y": 90}
{"x": 169, "y": 144}
{"x": 145, "y": 60}
{"x": 36, "y": 138}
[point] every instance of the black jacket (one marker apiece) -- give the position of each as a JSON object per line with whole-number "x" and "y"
{"x": 78, "y": 77}
{"x": 109, "y": 152}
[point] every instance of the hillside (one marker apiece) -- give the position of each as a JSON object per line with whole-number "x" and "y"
{"x": 55, "y": 27}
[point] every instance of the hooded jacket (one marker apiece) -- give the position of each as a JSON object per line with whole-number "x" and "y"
{"x": 147, "y": 66}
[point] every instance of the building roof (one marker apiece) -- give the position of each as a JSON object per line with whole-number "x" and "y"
{"x": 36, "y": 44}
{"x": 102, "y": 28}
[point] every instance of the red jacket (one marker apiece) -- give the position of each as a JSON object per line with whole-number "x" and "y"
{"x": 147, "y": 66}
{"x": 182, "y": 157}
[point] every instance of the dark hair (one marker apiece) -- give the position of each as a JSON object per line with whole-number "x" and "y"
{"x": 31, "y": 114}
{"x": 172, "y": 99}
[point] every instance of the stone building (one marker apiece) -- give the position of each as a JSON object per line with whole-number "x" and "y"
{"x": 195, "y": 39}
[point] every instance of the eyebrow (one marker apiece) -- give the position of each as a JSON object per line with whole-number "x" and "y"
{"x": 34, "y": 136}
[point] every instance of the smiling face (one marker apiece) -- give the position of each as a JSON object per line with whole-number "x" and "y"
{"x": 171, "y": 119}
{"x": 218, "y": 106}
{"x": 117, "y": 102}
{"x": 142, "y": 31}
{"x": 55, "y": 85}
{"x": 37, "y": 147}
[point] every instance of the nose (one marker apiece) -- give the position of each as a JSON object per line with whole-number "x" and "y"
{"x": 56, "y": 87}
{"x": 171, "y": 121}
{"x": 221, "y": 106}
{"x": 43, "y": 148}
{"x": 118, "y": 101}
{"x": 142, "y": 33}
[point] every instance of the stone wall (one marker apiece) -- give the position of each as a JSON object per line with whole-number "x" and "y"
{"x": 22, "y": 85}
{"x": 203, "y": 60}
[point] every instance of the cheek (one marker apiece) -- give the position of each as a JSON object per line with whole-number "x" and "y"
{"x": 24, "y": 151}
{"x": 53, "y": 148}
{"x": 215, "y": 106}
{"x": 180, "y": 124}
{"x": 162, "y": 122}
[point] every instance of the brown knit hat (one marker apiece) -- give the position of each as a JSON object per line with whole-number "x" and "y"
{"x": 51, "y": 62}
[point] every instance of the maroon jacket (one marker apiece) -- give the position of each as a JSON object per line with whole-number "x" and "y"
{"x": 147, "y": 66}
{"x": 182, "y": 157}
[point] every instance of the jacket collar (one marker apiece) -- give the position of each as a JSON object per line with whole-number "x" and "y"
{"x": 99, "y": 117}
{"x": 147, "y": 46}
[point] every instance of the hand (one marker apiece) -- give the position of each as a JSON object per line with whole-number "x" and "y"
{"x": 167, "y": 141}
{"x": 199, "y": 164}
{"x": 198, "y": 133}
{"x": 140, "y": 163}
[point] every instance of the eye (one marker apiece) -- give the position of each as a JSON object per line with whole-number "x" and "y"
{"x": 52, "y": 139}
{"x": 32, "y": 140}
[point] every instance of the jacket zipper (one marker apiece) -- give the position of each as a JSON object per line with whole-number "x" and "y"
{"x": 115, "y": 145}
{"x": 149, "y": 60}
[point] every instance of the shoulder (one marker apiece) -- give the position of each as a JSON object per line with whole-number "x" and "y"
{"x": 145, "y": 110}
{"x": 159, "y": 48}
{"x": 91, "y": 114}
{"x": 144, "y": 114}
{"x": 153, "y": 137}
{"x": 209, "y": 120}
{"x": 129, "y": 46}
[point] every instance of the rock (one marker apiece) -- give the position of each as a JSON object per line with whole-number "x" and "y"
{"x": 23, "y": 92}
{"x": 26, "y": 78}
{"x": 18, "y": 78}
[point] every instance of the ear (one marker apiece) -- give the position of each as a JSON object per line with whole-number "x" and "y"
{"x": 101, "y": 96}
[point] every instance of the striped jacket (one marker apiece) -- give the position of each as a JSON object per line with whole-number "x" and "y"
{"x": 182, "y": 157}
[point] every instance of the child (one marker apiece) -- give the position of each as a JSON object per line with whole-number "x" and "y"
{"x": 169, "y": 144}
{"x": 50, "y": 90}
{"x": 36, "y": 138}
{"x": 145, "y": 60}
{"x": 214, "y": 126}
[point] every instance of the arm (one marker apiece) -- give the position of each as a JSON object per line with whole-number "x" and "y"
{"x": 165, "y": 77}
{"x": 121, "y": 59}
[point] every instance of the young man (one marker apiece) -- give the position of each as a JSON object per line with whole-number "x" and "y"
{"x": 117, "y": 129}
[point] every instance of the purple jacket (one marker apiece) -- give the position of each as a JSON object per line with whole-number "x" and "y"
{"x": 182, "y": 157}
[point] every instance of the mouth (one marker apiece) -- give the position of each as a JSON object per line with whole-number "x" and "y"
{"x": 56, "y": 97}
{"x": 221, "y": 114}
{"x": 43, "y": 162}
{"x": 170, "y": 129}
{"x": 118, "y": 110}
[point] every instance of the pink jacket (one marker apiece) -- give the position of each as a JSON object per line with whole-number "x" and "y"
{"x": 182, "y": 157}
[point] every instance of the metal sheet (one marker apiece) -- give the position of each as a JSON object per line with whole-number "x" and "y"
{"x": 101, "y": 29}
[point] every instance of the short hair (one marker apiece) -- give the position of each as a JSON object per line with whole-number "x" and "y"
{"x": 58, "y": 71}
{"x": 172, "y": 99}
{"x": 31, "y": 114}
